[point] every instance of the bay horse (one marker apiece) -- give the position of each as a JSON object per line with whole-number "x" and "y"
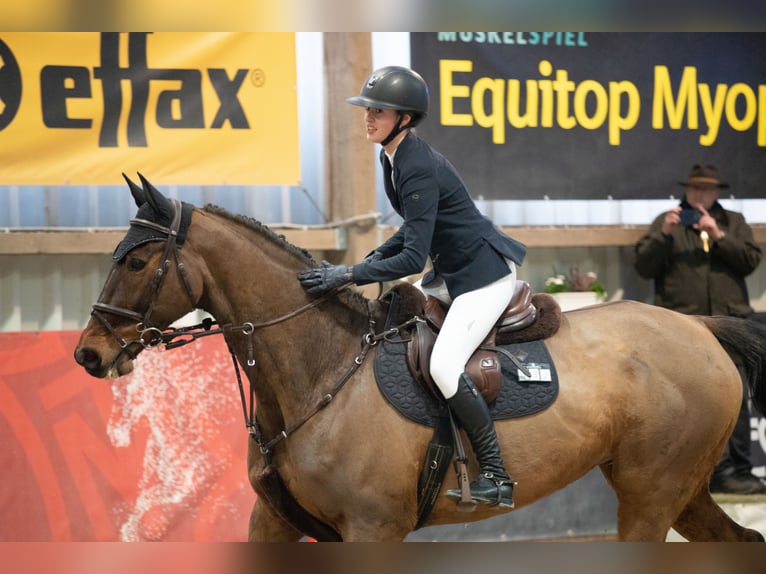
{"x": 648, "y": 395}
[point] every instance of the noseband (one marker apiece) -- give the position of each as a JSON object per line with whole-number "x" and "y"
{"x": 149, "y": 336}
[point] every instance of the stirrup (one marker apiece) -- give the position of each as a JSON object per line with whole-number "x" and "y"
{"x": 499, "y": 501}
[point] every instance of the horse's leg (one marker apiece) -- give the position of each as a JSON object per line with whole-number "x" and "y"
{"x": 643, "y": 515}
{"x": 704, "y": 521}
{"x": 647, "y": 515}
{"x": 380, "y": 511}
{"x": 640, "y": 520}
{"x": 267, "y": 526}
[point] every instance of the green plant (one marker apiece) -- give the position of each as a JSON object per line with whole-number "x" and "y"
{"x": 575, "y": 281}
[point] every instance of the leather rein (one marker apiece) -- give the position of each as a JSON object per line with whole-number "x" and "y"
{"x": 150, "y": 337}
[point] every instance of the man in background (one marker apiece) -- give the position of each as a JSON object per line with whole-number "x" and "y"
{"x": 698, "y": 255}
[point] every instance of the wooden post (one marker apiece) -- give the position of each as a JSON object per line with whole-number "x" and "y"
{"x": 350, "y": 163}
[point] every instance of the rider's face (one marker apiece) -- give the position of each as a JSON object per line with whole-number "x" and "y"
{"x": 379, "y": 123}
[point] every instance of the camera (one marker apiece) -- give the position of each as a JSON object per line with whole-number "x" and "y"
{"x": 690, "y": 216}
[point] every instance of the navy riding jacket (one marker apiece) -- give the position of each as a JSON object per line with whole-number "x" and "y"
{"x": 440, "y": 221}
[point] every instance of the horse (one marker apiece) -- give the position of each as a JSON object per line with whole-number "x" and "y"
{"x": 648, "y": 395}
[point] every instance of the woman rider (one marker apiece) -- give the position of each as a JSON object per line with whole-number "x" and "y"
{"x": 469, "y": 255}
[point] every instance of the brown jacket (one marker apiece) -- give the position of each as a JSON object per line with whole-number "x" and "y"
{"x": 691, "y": 281}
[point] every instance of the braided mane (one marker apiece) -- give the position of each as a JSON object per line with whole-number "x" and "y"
{"x": 264, "y": 230}
{"x": 350, "y": 297}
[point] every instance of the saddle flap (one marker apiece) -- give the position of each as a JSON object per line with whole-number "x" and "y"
{"x": 484, "y": 368}
{"x": 422, "y": 340}
{"x": 435, "y": 311}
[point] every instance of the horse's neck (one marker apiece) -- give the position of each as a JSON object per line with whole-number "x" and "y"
{"x": 252, "y": 278}
{"x": 247, "y": 273}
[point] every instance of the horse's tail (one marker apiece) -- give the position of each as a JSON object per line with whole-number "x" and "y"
{"x": 745, "y": 342}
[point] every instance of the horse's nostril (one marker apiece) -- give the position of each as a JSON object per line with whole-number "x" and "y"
{"x": 87, "y": 357}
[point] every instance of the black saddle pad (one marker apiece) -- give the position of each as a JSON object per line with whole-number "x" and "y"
{"x": 517, "y": 397}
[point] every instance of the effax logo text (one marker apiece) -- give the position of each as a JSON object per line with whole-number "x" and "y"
{"x": 180, "y": 108}
{"x": 10, "y": 86}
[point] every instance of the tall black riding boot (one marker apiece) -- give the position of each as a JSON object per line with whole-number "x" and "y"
{"x": 493, "y": 486}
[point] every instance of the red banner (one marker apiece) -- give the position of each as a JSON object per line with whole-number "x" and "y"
{"x": 159, "y": 454}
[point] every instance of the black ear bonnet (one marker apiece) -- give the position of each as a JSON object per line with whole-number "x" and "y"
{"x": 138, "y": 234}
{"x": 155, "y": 208}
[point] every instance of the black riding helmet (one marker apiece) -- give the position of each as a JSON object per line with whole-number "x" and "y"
{"x": 395, "y": 88}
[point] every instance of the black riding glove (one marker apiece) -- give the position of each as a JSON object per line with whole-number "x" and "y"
{"x": 324, "y": 278}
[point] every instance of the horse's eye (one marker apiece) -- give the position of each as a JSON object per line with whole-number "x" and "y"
{"x": 136, "y": 264}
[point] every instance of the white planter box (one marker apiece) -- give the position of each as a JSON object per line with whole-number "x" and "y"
{"x": 575, "y": 299}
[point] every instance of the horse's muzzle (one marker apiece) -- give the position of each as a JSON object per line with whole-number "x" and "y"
{"x": 91, "y": 360}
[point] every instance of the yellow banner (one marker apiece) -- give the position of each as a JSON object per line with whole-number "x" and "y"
{"x": 181, "y": 108}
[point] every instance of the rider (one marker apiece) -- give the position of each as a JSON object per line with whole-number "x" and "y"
{"x": 472, "y": 257}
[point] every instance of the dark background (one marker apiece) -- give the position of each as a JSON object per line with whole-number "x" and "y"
{"x": 579, "y": 163}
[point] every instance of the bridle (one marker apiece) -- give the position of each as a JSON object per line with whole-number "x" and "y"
{"x": 149, "y": 336}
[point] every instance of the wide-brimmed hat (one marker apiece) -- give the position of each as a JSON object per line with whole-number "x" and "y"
{"x": 704, "y": 175}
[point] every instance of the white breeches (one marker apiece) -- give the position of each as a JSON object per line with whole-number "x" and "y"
{"x": 469, "y": 319}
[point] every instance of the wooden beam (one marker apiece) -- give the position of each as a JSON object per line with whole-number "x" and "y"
{"x": 577, "y": 236}
{"x": 595, "y": 236}
{"x": 55, "y": 241}
{"x": 585, "y": 235}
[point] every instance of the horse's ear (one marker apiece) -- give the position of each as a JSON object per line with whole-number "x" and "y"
{"x": 159, "y": 202}
{"x": 135, "y": 190}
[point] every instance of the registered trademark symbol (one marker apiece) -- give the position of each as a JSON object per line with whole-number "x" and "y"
{"x": 258, "y": 77}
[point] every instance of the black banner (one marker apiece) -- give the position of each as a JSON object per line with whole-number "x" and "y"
{"x": 587, "y": 115}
